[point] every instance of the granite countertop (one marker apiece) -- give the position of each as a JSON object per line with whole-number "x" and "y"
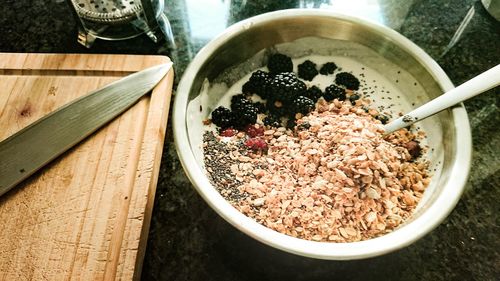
{"x": 189, "y": 241}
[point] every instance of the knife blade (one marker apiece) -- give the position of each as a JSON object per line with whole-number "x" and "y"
{"x": 28, "y": 150}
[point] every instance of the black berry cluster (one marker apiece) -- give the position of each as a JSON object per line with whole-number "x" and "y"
{"x": 279, "y": 63}
{"x": 307, "y": 70}
{"x": 314, "y": 93}
{"x": 284, "y": 94}
{"x": 347, "y": 80}
{"x": 303, "y": 105}
{"x": 286, "y": 87}
{"x": 257, "y": 84}
{"x": 222, "y": 117}
{"x": 243, "y": 112}
{"x": 327, "y": 68}
{"x": 334, "y": 92}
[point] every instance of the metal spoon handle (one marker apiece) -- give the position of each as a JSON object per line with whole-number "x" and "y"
{"x": 477, "y": 85}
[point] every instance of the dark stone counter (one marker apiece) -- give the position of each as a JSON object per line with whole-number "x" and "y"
{"x": 189, "y": 241}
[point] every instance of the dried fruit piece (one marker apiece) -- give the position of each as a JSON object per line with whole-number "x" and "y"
{"x": 256, "y": 144}
{"x": 413, "y": 148}
{"x": 254, "y": 131}
{"x": 229, "y": 132}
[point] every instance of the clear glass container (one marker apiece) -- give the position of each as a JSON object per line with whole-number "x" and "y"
{"x": 120, "y": 19}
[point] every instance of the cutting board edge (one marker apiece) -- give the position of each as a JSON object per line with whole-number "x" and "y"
{"x": 71, "y": 61}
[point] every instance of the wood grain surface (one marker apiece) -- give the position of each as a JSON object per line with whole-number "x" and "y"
{"x": 86, "y": 215}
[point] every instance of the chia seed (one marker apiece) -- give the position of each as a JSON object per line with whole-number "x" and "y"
{"x": 218, "y": 161}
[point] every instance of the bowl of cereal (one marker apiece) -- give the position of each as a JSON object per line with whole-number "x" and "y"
{"x": 279, "y": 125}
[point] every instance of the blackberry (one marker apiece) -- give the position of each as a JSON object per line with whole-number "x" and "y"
{"x": 291, "y": 123}
{"x": 334, "y": 92}
{"x": 314, "y": 93}
{"x": 276, "y": 107}
{"x": 279, "y": 63}
{"x": 248, "y": 88}
{"x": 244, "y": 111}
{"x": 354, "y": 98}
{"x": 302, "y": 105}
{"x": 257, "y": 84}
{"x": 286, "y": 87}
{"x": 259, "y": 76}
{"x": 239, "y": 101}
{"x": 223, "y": 117}
{"x": 261, "y": 107}
{"x": 307, "y": 70}
{"x": 272, "y": 120}
{"x": 245, "y": 115}
{"x": 328, "y": 68}
{"x": 347, "y": 80}
{"x": 256, "y": 144}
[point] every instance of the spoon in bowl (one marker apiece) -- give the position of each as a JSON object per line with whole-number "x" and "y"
{"x": 477, "y": 85}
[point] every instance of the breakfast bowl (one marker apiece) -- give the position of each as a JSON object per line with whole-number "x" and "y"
{"x": 395, "y": 64}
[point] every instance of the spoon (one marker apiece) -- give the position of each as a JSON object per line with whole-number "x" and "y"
{"x": 477, "y": 85}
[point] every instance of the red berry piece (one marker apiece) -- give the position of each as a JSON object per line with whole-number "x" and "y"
{"x": 229, "y": 132}
{"x": 256, "y": 144}
{"x": 254, "y": 131}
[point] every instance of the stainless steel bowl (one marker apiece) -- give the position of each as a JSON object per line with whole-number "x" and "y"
{"x": 244, "y": 39}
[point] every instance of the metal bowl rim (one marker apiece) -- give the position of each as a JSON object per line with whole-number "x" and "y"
{"x": 401, "y": 237}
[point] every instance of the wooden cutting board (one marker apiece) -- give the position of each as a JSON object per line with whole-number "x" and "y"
{"x": 86, "y": 215}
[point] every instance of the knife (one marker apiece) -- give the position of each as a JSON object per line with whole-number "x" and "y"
{"x": 28, "y": 150}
